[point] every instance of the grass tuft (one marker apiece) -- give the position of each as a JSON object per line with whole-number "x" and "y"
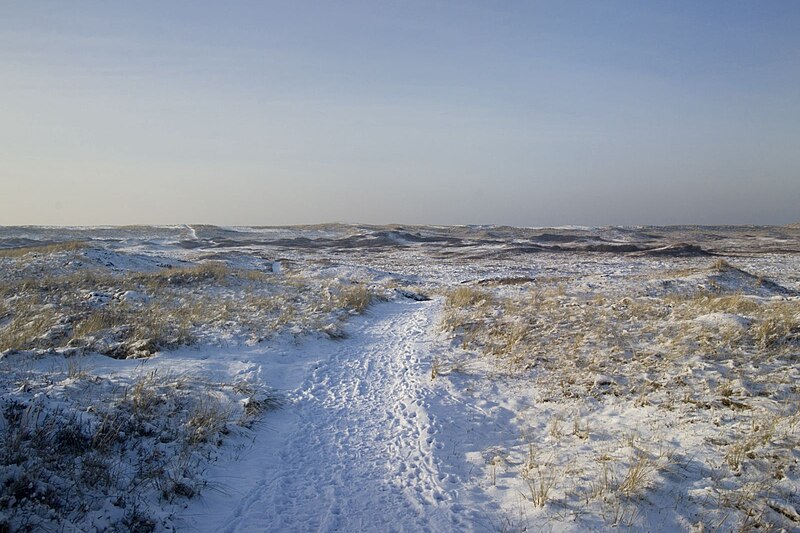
{"x": 44, "y": 249}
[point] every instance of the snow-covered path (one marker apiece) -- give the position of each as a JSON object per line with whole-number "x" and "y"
{"x": 353, "y": 448}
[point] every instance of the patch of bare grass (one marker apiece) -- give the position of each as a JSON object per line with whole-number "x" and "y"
{"x": 92, "y": 309}
{"x": 68, "y": 246}
{"x": 355, "y": 298}
{"x": 209, "y": 272}
{"x": 28, "y": 327}
{"x": 718, "y": 362}
{"x": 463, "y": 297}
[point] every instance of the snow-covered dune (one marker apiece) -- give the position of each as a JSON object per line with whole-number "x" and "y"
{"x": 399, "y": 378}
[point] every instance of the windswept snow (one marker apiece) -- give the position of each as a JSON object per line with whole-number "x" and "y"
{"x": 479, "y": 378}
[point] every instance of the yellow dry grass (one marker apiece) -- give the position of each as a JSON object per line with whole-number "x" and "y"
{"x": 68, "y": 246}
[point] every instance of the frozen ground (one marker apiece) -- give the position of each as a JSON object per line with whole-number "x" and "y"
{"x": 355, "y": 378}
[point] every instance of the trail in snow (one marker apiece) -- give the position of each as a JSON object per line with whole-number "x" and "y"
{"x": 353, "y": 449}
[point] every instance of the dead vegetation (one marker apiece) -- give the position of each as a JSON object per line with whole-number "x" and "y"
{"x": 108, "y": 446}
{"x": 149, "y": 437}
{"x": 535, "y": 327}
{"x": 134, "y": 314}
{"x": 44, "y": 249}
{"x": 726, "y": 361}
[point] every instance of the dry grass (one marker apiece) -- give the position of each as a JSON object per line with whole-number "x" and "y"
{"x": 164, "y": 424}
{"x": 529, "y": 329}
{"x": 207, "y": 419}
{"x": 721, "y": 265}
{"x": 106, "y": 447}
{"x": 69, "y": 246}
{"x": 209, "y": 272}
{"x": 463, "y": 297}
{"x": 540, "y": 478}
{"x": 28, "y": 328}
{"x": 637, "y": 477}
{"x": 778, "y": 327}
{"x": 355, "y": 298}
{"x": 718, "y": 362}
{"x": 690, "y": 306}
{"x": 140, "y": 331}
{"x": 176, "y": 306}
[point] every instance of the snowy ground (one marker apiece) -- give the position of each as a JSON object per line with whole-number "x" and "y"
{"x": 299, "y": 379}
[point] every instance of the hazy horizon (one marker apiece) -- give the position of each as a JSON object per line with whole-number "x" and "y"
{"x": 445, "y": 113}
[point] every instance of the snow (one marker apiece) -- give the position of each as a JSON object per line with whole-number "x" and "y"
{"x": 354, "y": 451}
{"x": 388, "y": 422}
{"x": 720, "y": 320}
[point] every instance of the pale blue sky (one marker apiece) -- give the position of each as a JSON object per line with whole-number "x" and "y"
{"x": 525, "y": 113}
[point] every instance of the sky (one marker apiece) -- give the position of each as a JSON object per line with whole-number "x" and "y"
{"x": 432, "y": 112}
